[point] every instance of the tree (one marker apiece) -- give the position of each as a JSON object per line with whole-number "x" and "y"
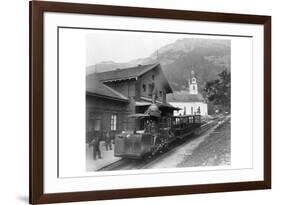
{"x": 218, "y": 91}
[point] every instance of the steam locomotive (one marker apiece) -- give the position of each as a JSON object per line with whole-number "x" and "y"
{"x": 157, "y": 132}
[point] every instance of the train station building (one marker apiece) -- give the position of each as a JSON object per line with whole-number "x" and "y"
{"x": 114, "y": 95}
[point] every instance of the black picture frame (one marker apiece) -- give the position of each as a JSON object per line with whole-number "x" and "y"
{"x": 37, "y": 9}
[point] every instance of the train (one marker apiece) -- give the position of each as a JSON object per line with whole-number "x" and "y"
{"x": 157, "y": 133}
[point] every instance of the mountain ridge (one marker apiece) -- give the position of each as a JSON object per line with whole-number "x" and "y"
{"x": 207, "y": 57}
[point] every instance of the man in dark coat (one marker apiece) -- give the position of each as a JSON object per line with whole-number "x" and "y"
{"x": 96, "y": 147}
{"x": 108, "y": 141}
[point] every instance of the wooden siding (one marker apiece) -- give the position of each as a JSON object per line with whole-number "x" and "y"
{"x": 158, "y": 82}
{"x": 99, "y": 111}
{"x": 126, "y": 87}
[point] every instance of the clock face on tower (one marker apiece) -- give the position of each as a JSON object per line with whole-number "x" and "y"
{"x": 193, "y": 80}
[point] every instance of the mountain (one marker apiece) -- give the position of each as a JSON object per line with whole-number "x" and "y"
{"x": 105, "y": 66}
{"x": 207, "y": 57}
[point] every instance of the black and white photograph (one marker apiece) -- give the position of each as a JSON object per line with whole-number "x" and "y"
{"x": 156, "y": 100}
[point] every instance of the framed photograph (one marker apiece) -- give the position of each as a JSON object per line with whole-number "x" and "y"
{"x": 138, "y": 102}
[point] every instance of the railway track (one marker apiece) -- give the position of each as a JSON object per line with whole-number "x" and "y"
{"x": 129, "y": 164}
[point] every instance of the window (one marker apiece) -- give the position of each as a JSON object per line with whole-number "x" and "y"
{"x": 198, "y": 110}
{"x": 97, "y": 124}
{"x": 160, "y": 93}
{"x": 169, "y": 121}
{"x": 144, "y": 87}
{"x": 190, "y": 119}
{"x": 193, "y": 87}
{"x": 152, "y": 77}
{"x": 151, "y": 87}
{"x": 113, "y": 122}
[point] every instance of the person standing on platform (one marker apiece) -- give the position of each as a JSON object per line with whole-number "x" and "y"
{"x": 96, "y": 147}
{"x": 108, "y": 145}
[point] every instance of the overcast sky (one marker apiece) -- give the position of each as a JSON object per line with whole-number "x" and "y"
{"x": 121, "y": 46}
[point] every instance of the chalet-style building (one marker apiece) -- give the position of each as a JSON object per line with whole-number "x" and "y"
{"x": 189, "y": 101}
{"x": 114, "y": 95}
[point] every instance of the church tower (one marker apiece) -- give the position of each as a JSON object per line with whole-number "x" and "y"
{"x": 193, "y": 88}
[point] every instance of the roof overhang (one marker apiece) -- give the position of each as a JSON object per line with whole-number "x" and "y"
{"x": 162, "y": 105}
{"x": 138, "y": 115}
{"x": 106, "y": 97}
{"x": 119, "y": 79}
{"x": 132, "y": 76}
{"x": 142, "y": 103}
{"x": 168, "y": 106}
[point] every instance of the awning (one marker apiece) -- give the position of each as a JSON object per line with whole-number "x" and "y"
{"x": 159, "y": 104}
{"x": 142, "y": 103}
{"x": 138, "y": 115}
{"x": 167, "y": 105}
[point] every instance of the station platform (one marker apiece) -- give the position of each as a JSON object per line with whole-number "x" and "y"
{"x": 107, "y": 157}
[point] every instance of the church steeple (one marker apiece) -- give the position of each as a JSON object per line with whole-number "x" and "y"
{"x": 193, "y": 88}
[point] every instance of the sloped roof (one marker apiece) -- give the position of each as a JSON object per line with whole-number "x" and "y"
{"x": 94, "y": 87}
{"x": 147, "y": 102}
{"x": 126, "y": 73}
{"x": 184, "y": 96}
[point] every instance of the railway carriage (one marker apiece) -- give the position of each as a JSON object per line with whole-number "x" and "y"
{"x": 158, "y": 131}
